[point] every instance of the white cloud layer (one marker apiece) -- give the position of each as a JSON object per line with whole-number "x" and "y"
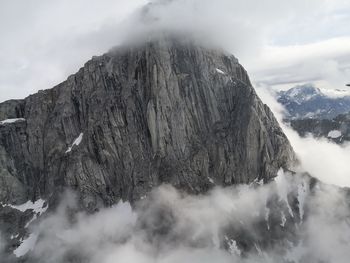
{"x": 170, "y": 226}
{"x": 278, "y": 41}
{"x": 327, "y": 63}
{"x": 322, "y": 158}
{"x": 43, "y": 42}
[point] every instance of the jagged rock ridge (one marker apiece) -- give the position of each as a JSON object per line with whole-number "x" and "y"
{"x": 161, "y": 112}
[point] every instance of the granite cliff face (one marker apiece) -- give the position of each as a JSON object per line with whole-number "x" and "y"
{"x": 136, "y": 117}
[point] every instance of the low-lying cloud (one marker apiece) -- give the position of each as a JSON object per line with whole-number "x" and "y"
{"x": 294, "y": 218}
{"x": 288, "y": 220}
{"x": 320, "y": 157}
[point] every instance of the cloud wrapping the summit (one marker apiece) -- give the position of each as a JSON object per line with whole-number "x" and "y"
{"x": 65, "y": 34}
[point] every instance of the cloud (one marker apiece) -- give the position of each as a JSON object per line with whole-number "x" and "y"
{"x": 332, "y": 211}
{"x": 323, "y": 159}
{"x": 326, "y": 62}
{"x": 267, "y": 223}
{"x": 43, "y": 42}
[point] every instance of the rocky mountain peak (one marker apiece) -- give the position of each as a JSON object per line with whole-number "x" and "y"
{"x": 302, "y": 93}
{"x": 165, "y": 111}
{"x": 161, "y": 112}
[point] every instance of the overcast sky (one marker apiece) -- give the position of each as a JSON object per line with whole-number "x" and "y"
{"x": 280, "y": 42}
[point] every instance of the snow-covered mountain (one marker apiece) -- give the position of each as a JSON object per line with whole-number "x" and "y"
{"x": 309, "y": 102}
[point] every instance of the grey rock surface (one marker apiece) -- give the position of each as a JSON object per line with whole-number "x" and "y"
{"x": 161, "y": 112}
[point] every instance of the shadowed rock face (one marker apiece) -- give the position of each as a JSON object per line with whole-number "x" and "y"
{"x": 136, "y": 117}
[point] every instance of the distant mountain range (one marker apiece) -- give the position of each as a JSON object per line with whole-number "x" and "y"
{"x": 309, "y": 102}
{"x": 320, "y": 112}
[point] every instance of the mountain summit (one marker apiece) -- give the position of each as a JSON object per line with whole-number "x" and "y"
{"x": 162, "y": 112}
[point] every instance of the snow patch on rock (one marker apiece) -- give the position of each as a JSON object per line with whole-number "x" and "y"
{"x": 76, "y": 142}
{"x": 38, "y": 206}
{"x": 26, "y": 245}
{"x": 334, "y": 134}
{"x": 7, "y": 121}
{"x": 220, "y": 71}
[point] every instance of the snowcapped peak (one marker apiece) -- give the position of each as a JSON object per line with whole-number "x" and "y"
{"x": 308, "y": 91}
{"x": 303, "y": 90}
{"x": 308, "y": 101}
{"x": 302, "y": 93}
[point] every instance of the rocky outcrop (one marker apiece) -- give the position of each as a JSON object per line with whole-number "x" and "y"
{"x": 162, "y": 112}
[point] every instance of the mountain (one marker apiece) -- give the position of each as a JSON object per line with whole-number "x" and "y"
{"x": 136, "y": 117}
{"x": 307, "y": 101}
{"x": 166, "y": 111}
{"x": 336, "y": 129}
{"x": 322, "y": 113}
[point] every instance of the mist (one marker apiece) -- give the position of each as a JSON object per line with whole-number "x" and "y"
{"x": 262, "y": 35}
{"x": 320, "y": 157}
{"x": 291, "y": 219}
